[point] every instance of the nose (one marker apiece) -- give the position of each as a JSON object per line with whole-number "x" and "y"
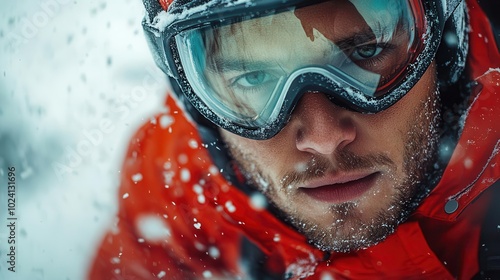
{"x": 321, "y": 127}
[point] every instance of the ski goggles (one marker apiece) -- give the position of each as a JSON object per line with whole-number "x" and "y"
{"x": 247, "y": 70}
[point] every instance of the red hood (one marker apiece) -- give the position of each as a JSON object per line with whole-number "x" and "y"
{"x": 474, "y": 165}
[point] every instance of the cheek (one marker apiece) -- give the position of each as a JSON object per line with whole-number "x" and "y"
{"x": 268, "y": 160}
{"x": 261, "y": 153}
{"x": 391, "y": 128}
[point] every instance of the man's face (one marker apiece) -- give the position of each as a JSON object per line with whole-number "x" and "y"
{"x": 344, "y": 179}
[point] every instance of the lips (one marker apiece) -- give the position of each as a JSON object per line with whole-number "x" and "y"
{"x": 338, "y": 189}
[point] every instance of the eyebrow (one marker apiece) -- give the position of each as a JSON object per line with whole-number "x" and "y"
{"x": 368, "y": 34}
{"x": 230, "y": 64}
{"x": 355, "y": 38}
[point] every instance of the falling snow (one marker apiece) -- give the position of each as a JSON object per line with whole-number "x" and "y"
{"x": 152, "y": 228}
{"x": 197, "y": 189}
{"x": 326, "y": 276}
{"x": 137, "y": 177}
{"x": 214, "y": 252}
{"x": 161, "y": 274}
{"x": 468, "y": 163}
{"x": 168, "y": 177}
{"x": 230, "y": 206}
{"x": 166, "y": 121}
{"x": 196, "y": 224}
{"x": 183, "y": 159}
{"x": 193, "y": 144}
{"x": 213, "y": 170}
{"x": 185, "y": 175}
{"x": 199, "y": 246}
{"x": 207, "y": 274}
{"x": 276, "y": 238}
{"x": 258, "y": 201}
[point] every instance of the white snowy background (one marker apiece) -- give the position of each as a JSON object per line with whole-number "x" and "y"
{"x": 76, "y": 80}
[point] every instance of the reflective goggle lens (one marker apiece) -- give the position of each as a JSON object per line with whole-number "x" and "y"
{"x": 244, "y": 69}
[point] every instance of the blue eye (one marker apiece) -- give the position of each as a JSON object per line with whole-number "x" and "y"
{"x": 366, "y": 51}
{"x": 253, "y": 79}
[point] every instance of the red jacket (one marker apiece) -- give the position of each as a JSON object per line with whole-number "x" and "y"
{"x": 180, "y": 219}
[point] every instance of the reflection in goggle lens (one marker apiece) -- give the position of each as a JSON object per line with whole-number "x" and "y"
{"x": 242, "y": 71}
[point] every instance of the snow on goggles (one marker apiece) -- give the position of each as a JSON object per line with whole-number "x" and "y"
{"x": 246, "y": 71}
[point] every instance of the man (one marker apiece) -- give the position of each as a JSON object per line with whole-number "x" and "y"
{"x": 314, "y": 139}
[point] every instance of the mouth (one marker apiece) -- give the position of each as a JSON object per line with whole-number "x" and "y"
{"x": 339, "y": 189}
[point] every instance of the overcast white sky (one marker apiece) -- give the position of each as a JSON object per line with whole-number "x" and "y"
{"x": 72, "y": 92}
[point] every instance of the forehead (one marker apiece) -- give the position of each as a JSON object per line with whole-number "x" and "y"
{"x": 333, "y": 20}
{"x": 278, "y": 27}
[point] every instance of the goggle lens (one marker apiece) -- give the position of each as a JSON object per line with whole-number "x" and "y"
{"x": 245, "y": 70}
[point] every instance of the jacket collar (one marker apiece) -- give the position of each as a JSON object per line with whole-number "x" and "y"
{"x": 475, "y": 162}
